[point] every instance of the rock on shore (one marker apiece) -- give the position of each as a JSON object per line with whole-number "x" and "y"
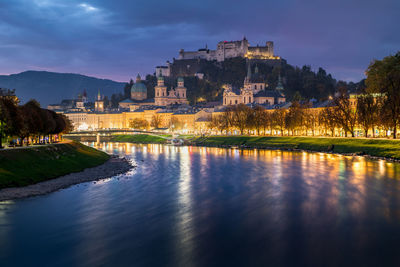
{"x": 114, "y": 166}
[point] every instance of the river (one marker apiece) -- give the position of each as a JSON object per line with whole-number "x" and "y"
{"x": 196, "y": 206}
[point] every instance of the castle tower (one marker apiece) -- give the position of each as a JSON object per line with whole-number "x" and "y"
{"x": 270, "y": 47}
{"x": 181, "y": 89}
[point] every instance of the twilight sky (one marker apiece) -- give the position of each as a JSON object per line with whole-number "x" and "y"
{"x": 117, "y": 39}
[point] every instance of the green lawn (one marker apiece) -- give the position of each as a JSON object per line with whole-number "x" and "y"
{"x": 139, "y": 138}
{"x": 20, "y": 167}
{"x": 373, "y": 147}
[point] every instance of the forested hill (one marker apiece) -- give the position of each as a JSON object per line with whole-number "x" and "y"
{"x": 52, "y": 87}
{"x": 307, "y": 82}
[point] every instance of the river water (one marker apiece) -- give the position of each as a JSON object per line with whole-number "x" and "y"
{"x": 194, "y": 206}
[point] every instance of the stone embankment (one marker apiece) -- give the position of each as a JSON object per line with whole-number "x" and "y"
{"x": 114, "y": 166}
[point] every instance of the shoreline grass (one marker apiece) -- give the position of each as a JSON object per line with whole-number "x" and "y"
{"x": 22, "y": 167}
{"x": 139, "y": 139}
{"x": 384, "y": 148}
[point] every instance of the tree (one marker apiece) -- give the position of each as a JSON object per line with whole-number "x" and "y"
{"x": 127, "y": 89}
{"x": 278, "y": 119}
{"x": 49, "y": 123}
{"x": 345, "y": 113}
{"x": 8, "y": 118}
{"x": 383, "y": 76}
{"x": 32, "y": 113}
{"x": 310, "y": 119}
{"x": 139, "y": 124}
{"x": 240, "y": 116}
{"x": 368, "y": 108}
{"x": 258, "y": 120}
{"x": 327, "y": 119}
{"x": 156, "y": 121}
{"x": 294, "y": 119}
{"x": 219, "y": 123}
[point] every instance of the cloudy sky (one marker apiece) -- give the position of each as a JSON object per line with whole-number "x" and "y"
{"x": 117, "y": 39}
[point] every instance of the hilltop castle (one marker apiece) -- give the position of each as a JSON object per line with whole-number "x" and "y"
{"x": 190, "y": 63}
{"x": 231, "y": 49}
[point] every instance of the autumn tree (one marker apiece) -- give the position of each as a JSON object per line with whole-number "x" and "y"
{"x": 138, "y": 123}
{"x": 327, "y": 119}
{"x": 294, "y": 119}
{"x": 278, "y": 119}
{"x": 258, "y": 118}
{"x": 368, "y": 110}
{"x": 383, "y": 77}
{"x": 241, "y": 115}
{"x": 156, "y": 121}
{"x": 220, "y": 123}
{"x": 345, "y": 112}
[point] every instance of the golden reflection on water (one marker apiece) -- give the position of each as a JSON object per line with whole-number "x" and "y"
{"x": 334, "y": 165}
{"x": 340, "y": 182}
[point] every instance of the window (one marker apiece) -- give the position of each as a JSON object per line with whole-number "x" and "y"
{"x": 249, "y": 99}
{"x": 235, "y": 101}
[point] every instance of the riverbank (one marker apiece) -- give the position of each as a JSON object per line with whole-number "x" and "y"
{"x": 139, "y": 139}
{"x": 380, "y": 148}
{"x": 113, "y": 166}
{"x": 30, "y": 165}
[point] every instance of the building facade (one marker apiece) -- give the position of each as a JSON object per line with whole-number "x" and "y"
{"x": 254, "y": 91}
{"x": 163, "y": 97}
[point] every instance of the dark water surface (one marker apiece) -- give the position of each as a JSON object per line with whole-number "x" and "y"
{"x": 191, "y": 206}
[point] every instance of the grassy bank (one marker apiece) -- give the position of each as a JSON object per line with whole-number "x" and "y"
{"x": 25, "y": 166}
{"x": 373, "y": 147}
{"x": 139, "y": 139}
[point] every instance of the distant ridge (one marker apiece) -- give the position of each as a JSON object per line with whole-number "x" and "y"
{"x": 52, "y": 87}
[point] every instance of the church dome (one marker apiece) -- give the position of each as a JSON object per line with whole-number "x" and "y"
{"x": 138, "y": 87}
{"x": 180, "y": 79}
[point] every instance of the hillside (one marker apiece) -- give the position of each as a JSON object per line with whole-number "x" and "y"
{"x": 297, "y": 81}
{"x": 52, "y": 87}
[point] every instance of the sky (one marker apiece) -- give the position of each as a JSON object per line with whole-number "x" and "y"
{"x": 117, "y": 39}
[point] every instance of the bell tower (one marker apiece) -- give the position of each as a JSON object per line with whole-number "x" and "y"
{"x": 181, "y": 89}
{"x": 160, "y": 91}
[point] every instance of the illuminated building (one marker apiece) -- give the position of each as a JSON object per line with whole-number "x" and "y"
{"x": 254, "y": 91}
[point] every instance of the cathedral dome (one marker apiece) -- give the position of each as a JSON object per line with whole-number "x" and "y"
{"x": 138, "y": 87}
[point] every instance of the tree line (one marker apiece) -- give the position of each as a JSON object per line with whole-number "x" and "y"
{"x": 375, "y": 106}
{"x": 29, "y": 122}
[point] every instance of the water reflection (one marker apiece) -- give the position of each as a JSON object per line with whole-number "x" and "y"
{"x": 202, "y": 206}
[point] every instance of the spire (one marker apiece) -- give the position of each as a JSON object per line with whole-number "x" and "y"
{"x": 160, "y": 79}
{"x": 279, "y": 86}
{"x": 248, "y": 71}
{"x": 138, "y": 78}
{"x": 256, "y": 69}
{"x": 98, "y": 95}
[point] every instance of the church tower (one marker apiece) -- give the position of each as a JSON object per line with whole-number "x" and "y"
{"x": 181, "y": 89}
{"x": 160, "y": 91}
{"x": 99, "y": 103}
{"x": 247, "y": 80}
